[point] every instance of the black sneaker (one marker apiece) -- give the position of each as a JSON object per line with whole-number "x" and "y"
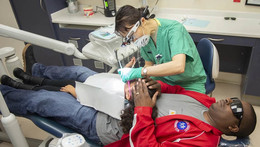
{"x": 28, "y": 58}
{"x": 6, "y": 80}
{"x": 26, "y": 77}
{"x": 20, "y": 74}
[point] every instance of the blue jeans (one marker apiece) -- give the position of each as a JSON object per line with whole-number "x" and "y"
{"x": 77, "y": 73}
{"x": 58, "y": 106}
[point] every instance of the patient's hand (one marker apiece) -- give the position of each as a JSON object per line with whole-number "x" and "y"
{"x": 141, "y": 95}
{"x": 70, "y": 89}
{"x": 131, "y": 63}
{"x": 152, "y": 84}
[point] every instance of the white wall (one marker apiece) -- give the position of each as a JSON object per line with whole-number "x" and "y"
{"x": 7, "y": 18}
{"x": 227, "y": 5}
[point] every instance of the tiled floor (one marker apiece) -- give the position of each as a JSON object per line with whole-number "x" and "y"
{"x": 223, "y": 90}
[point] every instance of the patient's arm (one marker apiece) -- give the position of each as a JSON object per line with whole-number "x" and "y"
{"x": 70, "y": 89}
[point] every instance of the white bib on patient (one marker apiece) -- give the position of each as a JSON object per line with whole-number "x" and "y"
{"x": 104, "y": 92}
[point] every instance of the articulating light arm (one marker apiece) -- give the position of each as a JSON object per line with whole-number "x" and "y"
{"x": 55, "y": 45}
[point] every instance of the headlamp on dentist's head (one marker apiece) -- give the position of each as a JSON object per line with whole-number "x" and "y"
{"x": 130, "y": 35}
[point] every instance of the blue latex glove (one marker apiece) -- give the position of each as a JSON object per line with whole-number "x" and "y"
{"x": 130, "y": 73}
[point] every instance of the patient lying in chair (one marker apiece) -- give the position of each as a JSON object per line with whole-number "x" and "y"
{"x": 183, "y": 117}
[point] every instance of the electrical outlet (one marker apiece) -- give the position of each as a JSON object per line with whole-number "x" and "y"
{"x": 99, "y": 65}
{"x": 77, "y": 61}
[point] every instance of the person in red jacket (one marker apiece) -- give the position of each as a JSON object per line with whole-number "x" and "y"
{"x": 230, "y": 116}
{"x": 185, "y": 118}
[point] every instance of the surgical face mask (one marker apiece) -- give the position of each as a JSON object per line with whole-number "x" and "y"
{"x": 142, "y": 41}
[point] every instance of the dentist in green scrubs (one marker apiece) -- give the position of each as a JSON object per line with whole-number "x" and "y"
{"x": 168, "y": 50}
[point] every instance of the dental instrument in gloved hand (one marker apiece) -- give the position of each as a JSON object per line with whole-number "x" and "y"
{"x": 130, "y": 73}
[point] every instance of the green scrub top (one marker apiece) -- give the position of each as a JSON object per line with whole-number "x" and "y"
{"x": 173, "y": 39}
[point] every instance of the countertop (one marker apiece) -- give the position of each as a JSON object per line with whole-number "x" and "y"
{"x": 64, "y": 17}
{"x": 206, "y": 21}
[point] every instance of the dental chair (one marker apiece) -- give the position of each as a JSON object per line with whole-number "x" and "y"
{"x": 57, "y": 130}
{"x": 53, "y": 128}
{"x": 210, "y": 60}
{"x": 108, "y": 51}
{"x": 8, "y": 119}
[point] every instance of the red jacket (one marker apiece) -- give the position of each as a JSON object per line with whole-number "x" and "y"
{"x": 172, "y": 130}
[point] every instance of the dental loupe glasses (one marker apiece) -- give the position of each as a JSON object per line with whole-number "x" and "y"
{"x": 127, "y": 39}
{"x": 130, "y": 35}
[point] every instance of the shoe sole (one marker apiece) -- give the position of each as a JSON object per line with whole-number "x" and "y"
{"x": 23, "y": 54}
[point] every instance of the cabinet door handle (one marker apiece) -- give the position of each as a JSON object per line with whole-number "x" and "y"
{"x": 213, "y": 39}
{"x": 74, "y": 38}
{"x": 41, "y": 5}
{"x": 87, "y": 40}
